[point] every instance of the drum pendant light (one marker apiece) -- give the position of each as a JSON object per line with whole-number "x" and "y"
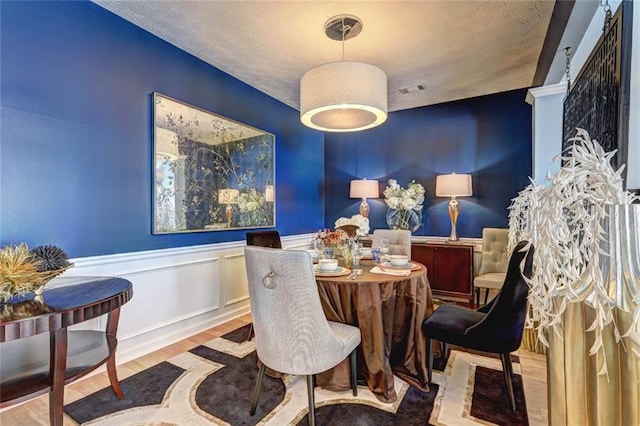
{"x": 343, "y": 96}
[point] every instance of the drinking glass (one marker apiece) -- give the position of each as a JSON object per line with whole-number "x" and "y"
{"x": 357, "y": 254}
{"x": 318, "y": 245}
{"x": 375, "y": 254}
{"x": 328, "y": 252}
{"x": 384, "y": 248}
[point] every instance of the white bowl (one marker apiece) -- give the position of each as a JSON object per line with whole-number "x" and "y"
{"x": 398, "y": 259}
{"x": 366, "y": 252}
{"x": 313, "y": 253}
{"x": 327, "y": 265}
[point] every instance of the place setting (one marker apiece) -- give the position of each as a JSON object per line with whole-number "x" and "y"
{"x": 395, "y": 265}
{"x": 330, "y": 268}
{"x": 399, "y": 262}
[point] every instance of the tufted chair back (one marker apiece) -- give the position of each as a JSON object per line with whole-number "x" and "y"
{"x": 399, "y": 240}
{"x": 494, "y": 251}
{"x": 493, "y": 262}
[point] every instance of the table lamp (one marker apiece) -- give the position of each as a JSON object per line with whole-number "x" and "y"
{"x": 228, "y": 196}
{"x": 364, "y": 189}
{"x": 453, "y": 186}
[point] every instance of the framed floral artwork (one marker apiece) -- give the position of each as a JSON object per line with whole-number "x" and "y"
{"x": 210, "y": 173}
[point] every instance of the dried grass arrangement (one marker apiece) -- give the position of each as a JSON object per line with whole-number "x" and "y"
{"x": 24, "y": 271}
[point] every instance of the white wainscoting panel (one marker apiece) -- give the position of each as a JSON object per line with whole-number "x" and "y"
{"x": 234, "y": 283}
{"x": 177, "y": 292}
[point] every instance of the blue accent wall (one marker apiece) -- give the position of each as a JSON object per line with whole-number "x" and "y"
{"x": 76, "y": 139}
{"x": 76, "y": 131}
{"x": 488, "y": 137}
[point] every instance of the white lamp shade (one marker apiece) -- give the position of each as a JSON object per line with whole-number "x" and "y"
{"x": 453, "y": 185}
{"x": 228, "y": 196}
{"x": 343, "y": 97}
{"x": 364, "y": 189}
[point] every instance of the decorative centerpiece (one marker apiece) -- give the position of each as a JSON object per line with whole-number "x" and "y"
{"x": 405, "y": 205}
{"x": 354, "y": 227}
{"x": 24, "y": 271}
{"x": 340, "y": 243}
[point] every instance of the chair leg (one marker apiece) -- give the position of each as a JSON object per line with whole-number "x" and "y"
{"x": 477, "y": 296}
{"x": 508, "y": 378}
{"x": 312, "y": 403}
{"x": 354, "y": 372}
{"x": 444, "y": 351}
{"x": 486, "y": 296}
{"x": 250, "y": 333}
{"x": 430, "y": 359}
{"x": 256, "y": 390}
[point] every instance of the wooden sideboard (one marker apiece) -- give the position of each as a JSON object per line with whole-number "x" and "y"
{"x": 449, "y": 268}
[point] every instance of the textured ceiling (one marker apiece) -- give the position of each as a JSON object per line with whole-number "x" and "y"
{"x": 458, "y": 49}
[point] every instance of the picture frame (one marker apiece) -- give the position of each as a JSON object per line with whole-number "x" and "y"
{"x": 210, "y": 173}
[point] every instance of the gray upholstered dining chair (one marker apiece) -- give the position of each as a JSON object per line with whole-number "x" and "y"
{"x": 293, "y": 336}
{"x": 262, "y": 239}
{"x": 494, "y": 262}
{"x": 399, "y": 240}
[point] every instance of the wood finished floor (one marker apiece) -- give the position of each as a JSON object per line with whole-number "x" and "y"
{"x": 36, "y": 411}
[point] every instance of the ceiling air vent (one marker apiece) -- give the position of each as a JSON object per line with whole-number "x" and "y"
{"x": 413, "y": 89}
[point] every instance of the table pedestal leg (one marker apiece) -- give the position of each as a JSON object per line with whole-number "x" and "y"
{"x": 57, "y": 371}
{"x": 112, "y": 328}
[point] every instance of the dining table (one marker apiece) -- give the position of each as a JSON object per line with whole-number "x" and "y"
{"x": 388, "y": 305}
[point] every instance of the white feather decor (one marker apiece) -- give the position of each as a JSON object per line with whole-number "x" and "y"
{"x": 564, "y": 222}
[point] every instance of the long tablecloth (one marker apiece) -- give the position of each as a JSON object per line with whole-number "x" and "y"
{"x": 389, "y": 310}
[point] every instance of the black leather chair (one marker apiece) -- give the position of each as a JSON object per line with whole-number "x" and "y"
{"x": 269, "y": 239}
{"x": 494, "y": 328}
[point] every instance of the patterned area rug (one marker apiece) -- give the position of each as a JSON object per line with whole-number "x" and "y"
{"x": 212, "y": 384}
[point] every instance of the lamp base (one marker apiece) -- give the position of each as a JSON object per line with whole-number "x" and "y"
{"x": 229, "y": 213}
{"x": 364, "y": 208}
{"x": 454, "y": 211}
{"x": 453, "y": 236}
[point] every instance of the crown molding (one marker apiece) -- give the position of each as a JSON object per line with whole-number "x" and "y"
{"x": 538, "y": 92}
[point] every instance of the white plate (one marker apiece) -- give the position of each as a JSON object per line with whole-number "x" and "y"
{"x": 410, "y": 266}
{"x": 338, "y": 272}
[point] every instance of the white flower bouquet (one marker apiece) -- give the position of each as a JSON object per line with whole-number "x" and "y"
{"x": 404, "y": 205}
{"x": 399, "y": 198}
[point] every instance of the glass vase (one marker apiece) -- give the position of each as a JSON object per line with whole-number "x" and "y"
{"x": 404, "y": 219}
{"x": 346, "y": 253}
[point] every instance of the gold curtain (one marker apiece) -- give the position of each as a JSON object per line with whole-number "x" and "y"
{"x": 578, "y": 391}
{"x": 531, "y": 343}
{"x": 577, "y": 394}
{"x": 530, "y": 339}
